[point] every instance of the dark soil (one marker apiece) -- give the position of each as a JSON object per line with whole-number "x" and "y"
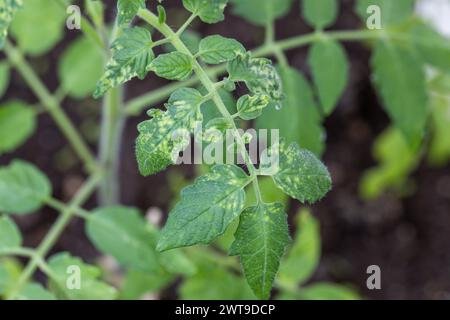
{"x": 408, "y": 238}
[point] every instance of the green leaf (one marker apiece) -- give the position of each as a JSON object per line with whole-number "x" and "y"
{"x": 136, "y": 284}
{"x": 327, "y": 291}
{"x": 396, "y": 161}
{"x": 261, "y": 12}
{"x": 259, "y": 75}
{"x": 131, "y": 56}
{"x": 91, "y": 288}
{"x": 80, "y": 67}
{"x": 164, "y": 136}
{"x": 270, "y": 192}
{"x": 433, "y": 48}
{"x": 10, "y": 272}
{"x": 260, "y": 240}
{"x": 392, "y": 12}
{"x": 23, "y": 188}
{"x": 217, "y": 49}
{"x": 299, "y": 120}
{"x": 303, "y": 257}
{"x": 320, "y": 14}
{"x": 123, "y": 233}
{"x": 34, "y": 291}
{"x": 400, "y": 80}
{"x": 300, "y": 174}
{"x": 17, "y": 124}
{"x": 439, "y": 153}
{"x": 39, "y": 26}
{"x": 329, "y": 66}
{"x": 209, "y": 11}
{"x": 251, "y": 107}
{"x": 10, "y": 236}
{"x": 172, "y": 66}
{"x": 213, "y": 283}
{"x": 8, "y": 9}
{"x": 206, "y": 208}
{"x": 127, "y": 10}
{"x": 4, "y": 77}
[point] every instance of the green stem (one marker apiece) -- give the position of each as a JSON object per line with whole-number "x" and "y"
{"x": 135, "y": 106}
{"x": 52, "y": 236}
{"x": 51, "y": 104}
{"x": 113, "y": 123}
{"x": 152, "y": 19}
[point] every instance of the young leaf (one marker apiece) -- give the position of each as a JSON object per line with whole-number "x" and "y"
{"x": 260, "y": 240}
{"x": 432, "y": 47}
{"x": 320, "y": 14}
{"x": 217, "y": 49}
{"x": 329, "y": 66}
{"x": 23, "y": 188}
{"x": 80, "y": 67}
{"x": 209, "y": 11}
{"x": 38, "y": 26}
{"x": 131, "y": 56}
{"x": 400, "y": 80}
{"x": 303, "y": 257}
{"x": 123, "y": 233}
{"x": 392, "y": 12}
{"x": 250, "y": 107}
{"x": 90, "y": 287}
{"x": 300, "y": 174}
{"x": 8, "y": 10}
{"x": 163, "y": 137}
{"x": 35, "y": 291}
{"x": 439, "y": 153}
{"x": 396, "y": 162}
{"x": 17, "y": 124}
{"x": 10, "y": 236}
{"x": 206, "y": 208}
{"x": 299, "y": 120}
{"x": 259, "y": 75}
{"x": 172, "y": 66}
{"x": 261, "y": 12}
{"x": 127, "y": 10}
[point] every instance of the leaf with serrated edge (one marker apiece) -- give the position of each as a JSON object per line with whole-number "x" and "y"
{"x": 172, "y": 66}
{"x": 8, "y": 9}
{"x": 209, "y": 11}
{"x": 329, "y": 66}
{"x": 300, "y": 173}
{"x": 131, "y": 56}
{"x": 127, "y": 10}
{"x": 206, "y": 208}
{"x": 260, "y": 241}
{"x": 259, "y": 75}
{"x": 156, "y": 145}
{"x": 10, "y": 236}
{"x": 23, "y": 188}
{"x": 250, "y": 107}
{"x": 217, "y": 49}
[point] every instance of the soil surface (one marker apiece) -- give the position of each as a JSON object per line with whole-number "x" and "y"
{"x": 408, "y": 238}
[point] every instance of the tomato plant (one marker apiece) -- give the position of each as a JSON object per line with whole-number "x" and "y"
{"x": 235, "y": 208}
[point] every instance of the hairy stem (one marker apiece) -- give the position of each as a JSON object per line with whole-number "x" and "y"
{"x": 209, "y": 85}
{"x": 52, "y": 236}
{"x": 52, "y": 105}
